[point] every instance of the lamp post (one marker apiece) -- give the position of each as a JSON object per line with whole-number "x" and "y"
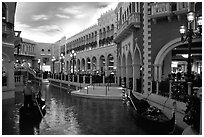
{"x": 190, "y": 34}
{"x": 73, "y": 56}
{"x": 53, "y": 64}
{"x": 62, "y": 61}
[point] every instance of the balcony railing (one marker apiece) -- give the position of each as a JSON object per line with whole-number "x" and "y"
{"x": 160, "y": 9}
{"x": 133, "y": 20}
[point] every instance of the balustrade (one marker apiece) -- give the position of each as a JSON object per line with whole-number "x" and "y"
{"x": 160, "y": 7}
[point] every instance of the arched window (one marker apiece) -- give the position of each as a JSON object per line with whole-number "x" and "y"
{"x": 4, "y": 11}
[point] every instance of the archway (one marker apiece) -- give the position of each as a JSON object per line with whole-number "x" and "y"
{"x": 123, "y": 70}
{"x": 119, "y": 70}
{"x": 129, "y": 71}
{"x": 94, "y": 64}
{"x": 164, "y": 53}
{"x": 88, "y": 63}
{"x": 83, "y": 65}
{"x": 171, "y": 63}
{"x": 78, "y": 65}
{"x": 137, "y": 70}
{"x": 102, "y": 64}
{"x": 110, "y": 64}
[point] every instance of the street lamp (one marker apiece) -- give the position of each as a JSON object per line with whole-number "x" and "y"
{"x": 53, "y": 61}
{"x": 190, "y": 34}
{"x": 62, "y": 61}
{"x": 73, "y": 56}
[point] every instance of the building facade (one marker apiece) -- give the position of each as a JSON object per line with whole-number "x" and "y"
{"x": 43, "y": 57}
{"x": 94, "y": 48}
{"x": 149, "y": 42}
{"x": 10, "y": 39}
{"x": 25, "y": 54}
{"x": 151, "y": 54}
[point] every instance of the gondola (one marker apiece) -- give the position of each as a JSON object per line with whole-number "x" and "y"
{"x": 149, "y": 117}
{"x": 33, "y": 114}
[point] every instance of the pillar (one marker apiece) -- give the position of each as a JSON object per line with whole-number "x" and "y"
{"x": 103, "y": 79}
{"x": 90, "y": 79}
{"x": 84, "y": 79}
{"x": 160, "y": 73}
{"x": 77, "y": 78}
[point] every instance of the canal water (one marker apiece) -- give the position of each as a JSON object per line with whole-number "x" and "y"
{"x": 70, "y": 115}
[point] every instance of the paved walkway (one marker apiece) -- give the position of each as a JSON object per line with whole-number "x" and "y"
{"x": 102, "y": 92}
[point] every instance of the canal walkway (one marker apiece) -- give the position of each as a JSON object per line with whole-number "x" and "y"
{"x": 102, "y": 92}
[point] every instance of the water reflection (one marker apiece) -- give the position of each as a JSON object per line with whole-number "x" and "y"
{"x": 74, "y": 115}
{"x": 69, "y": 115}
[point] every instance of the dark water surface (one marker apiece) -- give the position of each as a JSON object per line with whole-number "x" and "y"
{"x": 69, "y": 115}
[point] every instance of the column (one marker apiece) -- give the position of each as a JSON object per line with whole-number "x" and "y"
{"x": 156, "y": 77}
{"x": 84, "y": 79}
{"x": 115, "y": 79}
{"x": 90, "y": 79}
{"x": 72, "y": 78}
{"x": 78, "y": 78}
{"x": 159, "y": 73}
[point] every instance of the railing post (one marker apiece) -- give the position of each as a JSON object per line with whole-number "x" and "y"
{"x": 90, "y": 79}
{"x": 115, "y": 79}
{"x": 103, "y": 79}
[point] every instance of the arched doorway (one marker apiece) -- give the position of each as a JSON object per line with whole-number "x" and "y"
{"x": 123, "y": 70}
{"x": 129, "y": 71}
{"x": 88, "y": 67}
{"x": 110, "y": 64}
{"x": 94, "y": 64}
{"x": 171, "y": 63}
{"x": 137, "y": 70}
{"x": 111, "y": 71}
{"x": 119, "y": 70}
{"x": 83, "y": 65}
{"x": 102, "y": 63}
{"x": 78, "y": 66}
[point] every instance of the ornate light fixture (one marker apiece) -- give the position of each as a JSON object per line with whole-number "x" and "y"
{"x": 189, "y": 34}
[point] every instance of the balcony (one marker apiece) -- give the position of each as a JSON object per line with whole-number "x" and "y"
{"x": 160, "y": 9}
{"x": 181, "y": 8}
{"x": 125, "y": 29}
{"x": 167, "y": 9}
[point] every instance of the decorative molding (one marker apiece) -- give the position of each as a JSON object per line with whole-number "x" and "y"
{"x": 11, "y": 45}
